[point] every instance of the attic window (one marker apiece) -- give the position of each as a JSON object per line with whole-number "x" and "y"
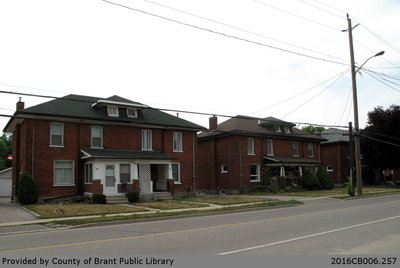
{"x": 112, "y": 111}
{"x": 131, "y": 112}
{"x": 278, "y": 128}
{"x": 287, "y": 130}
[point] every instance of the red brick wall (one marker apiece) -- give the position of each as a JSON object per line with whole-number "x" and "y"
{"x": 337, "y": 156}
{"x": 78, "y": 136}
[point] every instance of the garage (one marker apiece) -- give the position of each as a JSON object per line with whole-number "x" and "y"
{"x": 5, "y": 182}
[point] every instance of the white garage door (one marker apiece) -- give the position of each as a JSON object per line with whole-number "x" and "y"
{"x": 5, "y": 182}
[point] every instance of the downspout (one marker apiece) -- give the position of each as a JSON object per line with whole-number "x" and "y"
{"x": 33, "y": 150}
{"x": 194, "y": 163}
{"x": 240, "y": 166}
{"x": 229, "y": 168}
{"x": 81, "y": 183}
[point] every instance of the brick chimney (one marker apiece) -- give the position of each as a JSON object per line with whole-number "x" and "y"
{"x": 20, "y": 105}
{"x": 213, "y": 122}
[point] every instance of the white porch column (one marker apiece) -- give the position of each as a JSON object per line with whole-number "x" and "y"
{"x": 169, "y": 171}
{"x": 282, "y": 173}
{"x": 135, "y": 172}
{"x": 300, "y": 171}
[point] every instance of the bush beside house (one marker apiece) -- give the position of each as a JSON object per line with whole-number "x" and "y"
{"x": 27, "y": 191}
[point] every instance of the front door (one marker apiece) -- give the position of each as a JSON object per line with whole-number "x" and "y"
{"x": 110, "y": 180}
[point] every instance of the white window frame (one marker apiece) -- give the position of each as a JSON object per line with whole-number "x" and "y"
{"x": 130, "y": 172}
{"x": 101, "y": 137}
{"x": 112, "y": 111}
{"x": 296, "y": 149}
{"x": 178, "y": 179}
{"x": 250, "y": 146}
{"x": 177, "y": 142}
{"x": 287, "y": 130}
{"x": 147, "y": 140}
{"x": 310, "y": 149}
{"x": 255, "y": 177}
{"x": 51, "y": 135}
{"x": 278, "y": 128}
{"x": 131, "y": 115}
{"x": 270, "y": 147}
{"x": 88, "y": 173}
{"x": 55, "y": 173}
{"x": 329, "y": 168}
{"x": 224, "y": 168}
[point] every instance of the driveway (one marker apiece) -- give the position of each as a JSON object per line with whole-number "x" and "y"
{"x": 11, "y": 212}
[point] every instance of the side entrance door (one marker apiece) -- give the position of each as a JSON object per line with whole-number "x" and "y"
{"x": 110, "y": 180}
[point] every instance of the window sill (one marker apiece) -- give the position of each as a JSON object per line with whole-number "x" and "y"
{"x": 92, "y": 147}
{"x": 56, "y": 146}
{"x": 147, "y": 150}
{"x": 255, "y": 181}
{"x": 63, "y": 185}
{"x": 251, "y": 154}
{"x": 178, "y": 151}
{"x": 177, "y": 182}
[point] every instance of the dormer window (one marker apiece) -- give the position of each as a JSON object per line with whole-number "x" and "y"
{"x": 278, "y": 128}
{"x": 112, "y": 111}
{"x": 287, "y": 130}
{"x": 131, "y": 112}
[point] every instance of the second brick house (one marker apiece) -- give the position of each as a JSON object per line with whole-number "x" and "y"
{"x": 78, "y": 145}
{"x": 234, "y": 154}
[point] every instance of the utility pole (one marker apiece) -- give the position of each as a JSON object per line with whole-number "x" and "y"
{"x": 357, "y": 150}
{"x": 351, "y": 158}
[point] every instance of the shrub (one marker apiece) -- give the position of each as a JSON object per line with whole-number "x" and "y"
{"x": 310, "y": 181}
{"x": 324, "y": 179}
{"x": 348, "y": 186}
{"x": 27, "y": 191}
{"x": 99, "y": 199}
{"x": 133, "y": 196}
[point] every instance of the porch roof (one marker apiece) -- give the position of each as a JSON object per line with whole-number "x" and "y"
{"x": 125, "y": 154}
{"x": 289, "y": 161}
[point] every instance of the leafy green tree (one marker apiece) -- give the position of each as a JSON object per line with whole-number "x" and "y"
{"x": 310, "y": 181}
{"x": 381, "y": 138}
{"x": 5, "y": 151}
{"x": 312, "y": 129}
{"x": 324, "y": 179}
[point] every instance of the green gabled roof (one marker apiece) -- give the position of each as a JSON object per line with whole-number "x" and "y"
{"x": 125, "y": 154}
{"x": 84, "y": 107}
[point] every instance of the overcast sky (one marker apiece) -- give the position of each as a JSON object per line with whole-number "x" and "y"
{"x": 215, "y": 56}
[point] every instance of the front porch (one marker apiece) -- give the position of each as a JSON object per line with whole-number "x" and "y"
{"x": 288, "y": 171}
{"x": 114, "y": 176}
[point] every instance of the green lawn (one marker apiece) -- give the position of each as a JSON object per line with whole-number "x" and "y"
{"x": 165, "y": 205}
{"x": 334, "y": 192}
{"x": 78, "y": 209}
{"x": 224, "y": 200}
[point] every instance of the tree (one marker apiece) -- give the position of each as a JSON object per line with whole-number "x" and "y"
{"x": 312, "y": 129}
{"x": 5, "y": 150}
{"x": 380, "y": 140}
{"x": 27, "y": 191}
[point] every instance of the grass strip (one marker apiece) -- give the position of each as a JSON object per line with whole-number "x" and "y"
{"x": 74, "y": 222}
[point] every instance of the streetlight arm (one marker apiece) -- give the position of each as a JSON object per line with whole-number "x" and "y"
{"x": 376, "y": 55}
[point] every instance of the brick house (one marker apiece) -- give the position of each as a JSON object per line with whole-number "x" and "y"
{"x": 234, "y": 154}
{"x": 335, "y": 154}
{"x": 78, "y": 145}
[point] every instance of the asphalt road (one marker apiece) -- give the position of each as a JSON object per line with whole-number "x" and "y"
{"x": 361, "y": 226}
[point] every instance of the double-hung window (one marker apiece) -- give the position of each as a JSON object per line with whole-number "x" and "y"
{"x": 255, "y": 173}
{"x": 270, "y": 147}
{"x": 112, "y": 111}
{"x": 176, "y": 172}
{"x": 88, "y": 173}
{"x": 250, "y": 146}
{"x": 125, "y": 173}
{"x": 57, "y": 134}
{"x": 311, "y": 150}
{"x": 147, "y": 137}
{"x": 177, "y": 142}
{"x": 97, "y": 137}
{"x": 63, "y": 172}
{"x": 295, "y": 148}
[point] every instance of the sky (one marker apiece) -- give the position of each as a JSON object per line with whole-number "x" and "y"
{"x": 287, "y": 59}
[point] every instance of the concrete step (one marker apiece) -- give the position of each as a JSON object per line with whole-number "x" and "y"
{"x": 119, "y": 199}
{"x": 163, "y": 196}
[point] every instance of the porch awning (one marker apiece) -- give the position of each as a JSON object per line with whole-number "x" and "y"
{"x": 125, "y": 154}
{"x": 290, "y": 161}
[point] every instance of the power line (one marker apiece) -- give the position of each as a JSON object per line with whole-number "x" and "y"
{"x": 379, "y": 80}
{"x": 345, "y": 107}
{"x": 319, "y": 93}
{"x": 299, "y": 94}
{"x": 240, "y": 29}
{"x": 297, "y": 16}
{"x": 381, "y": 39}
{"x": 378, "y": 140}
{"x": 322, "y": 9}
{"x": 223, "y": 34}
{"x": 154, "y": 108}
